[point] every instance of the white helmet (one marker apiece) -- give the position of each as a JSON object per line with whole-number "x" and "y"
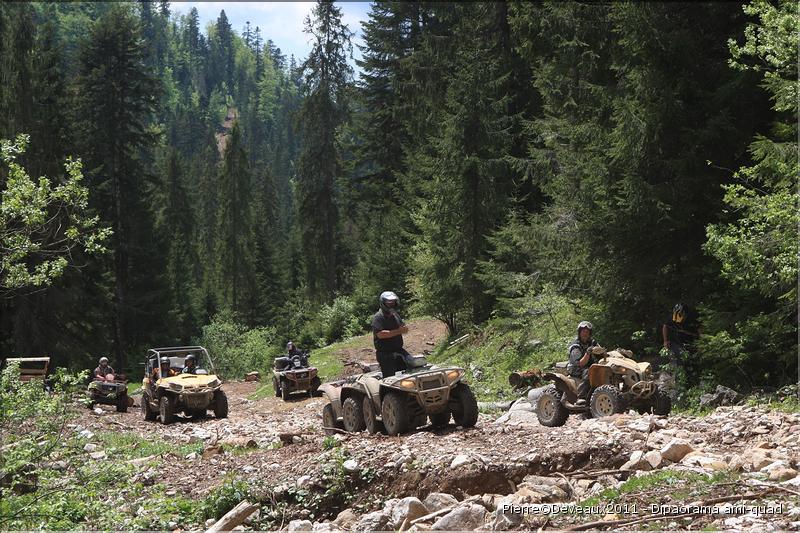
{"x": 385, "y": 298}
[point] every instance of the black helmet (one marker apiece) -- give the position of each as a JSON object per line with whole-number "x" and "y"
{"x": 679, "y": 313}
{"x": 190, "y": 357}
{"x": 388, "y": 296}
{"x": 585, "y": 324}
{"x": 289, "y": 345}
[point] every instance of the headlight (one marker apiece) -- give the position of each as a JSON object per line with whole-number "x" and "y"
{"x": 453, "y": 375}
{"x": 408, "y": 383}
{"x": 176, "y": 386}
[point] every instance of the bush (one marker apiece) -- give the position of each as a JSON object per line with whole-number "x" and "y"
{"x": 335, "y": 321}
{"x": 237, "y": 350}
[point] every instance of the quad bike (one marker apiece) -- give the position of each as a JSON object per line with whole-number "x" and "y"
{"x": 399, "y": 403}
{"x": 293, "y": 374}
{"x": 617, "y": 383}
{"x": 113, "y": 390}
{"x": 165, "y": 395}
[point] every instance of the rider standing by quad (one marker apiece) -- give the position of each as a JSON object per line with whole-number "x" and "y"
{"x": 387, "y": 335}
{"x": 580, "y": 359}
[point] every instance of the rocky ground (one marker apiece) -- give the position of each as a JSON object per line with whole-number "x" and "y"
{"x": 477, "y": 478}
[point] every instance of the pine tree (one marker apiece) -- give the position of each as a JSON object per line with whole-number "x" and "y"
{"x": 113, "y": 111}
{"x": 235, "y": 239}
{"x": 326, "y": 75}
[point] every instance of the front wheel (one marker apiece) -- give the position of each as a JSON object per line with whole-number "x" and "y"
{"x": 464, "y": 406}
{"x": 440, "y": 420}
{"x": 353, "y": 415}
{"x": 371, "y": 418}
{"x": 122, "y": 403}
{"x": 166, "y": 407}
{"x": 147, "y": 413}
{"x": 276, "y": 385}
{"x": 662, "y": 403}
{"x": 395, "y": 413}
{"x": 606, "y": 400}
{"x": 549, "y": 409}
{"x": 220, "y": 404}
{"x": 285, "y": 394}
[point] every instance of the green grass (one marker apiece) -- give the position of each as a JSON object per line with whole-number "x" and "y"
{"x": 127, "y": 446}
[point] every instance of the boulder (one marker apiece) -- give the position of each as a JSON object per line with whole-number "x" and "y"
{"x": 709, "y": 462}
{"x": 654, "y": 458}
{"x": 436, "y": 501}
{"x": 324, "y": 527}
{"x": 782, "y": 474}
{"x": 504, "y": 516}
{"x": 346, "y": 519}
{"x": 351, "y": 466}
{"x": 253, "y": 376}
{"x": 407, "y": 509}
{"x": 299, "y": 525}
{"x": 459, "y": 460}
{"x": 675, "y": 450}
{"x": 637, "y": 462}
{"x": 721, "y": 396}
{"x": 375, "y": 521}
{"x": 466, "y": 518}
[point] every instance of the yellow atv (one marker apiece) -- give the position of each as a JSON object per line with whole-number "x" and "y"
{"x": 166, "y": 390}
{"x": 617, "y": 383}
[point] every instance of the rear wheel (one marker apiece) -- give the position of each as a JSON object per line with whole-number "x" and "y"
{"x": 353, "y": 415}
{"x": 395, "y": 413}
{"x": 166, "y": 407}
{"x": 549, "y": 409}
{"x": 220, "y": 404}
{"x": 464, "y": 406}
{"x": 285, "y": 394}
{"x": 315, "y": 384}
{"x": 662, "y": 403}
{"x": 147, "y": 413}
{"x": 440, "y": 420}
{"x": 329, "y": 422}
{"x": 606, "y": 400}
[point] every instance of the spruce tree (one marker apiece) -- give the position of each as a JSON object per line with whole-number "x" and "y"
{"x": 326, "y": 76}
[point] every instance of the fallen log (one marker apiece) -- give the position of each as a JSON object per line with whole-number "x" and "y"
{"x": 234, "y": 517}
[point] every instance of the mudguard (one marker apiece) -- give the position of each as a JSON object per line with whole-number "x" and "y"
{"x": 334, "y": 396}
{"x": 565, "y": 384}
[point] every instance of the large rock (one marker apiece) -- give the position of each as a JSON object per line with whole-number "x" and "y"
{"x": 521, "y": 417}
{"x": 407, "y": 509}
{"x": 504, "y": 516}
{"x": 752, "y": 460}
{"x": 637, "y": 462}
{"x": 654, "y": 458}
{"x": 299, "y": 525}
{"x": 466, "y": 518}
{"x": 707, "y": 461}
{"x": 324, "y": 527}
{"x": 675, "y": 450}
{"x": 375, "y": 521}
{"x": 346, "y": 519}
{"x": 782, "y": 474}
{"x": 436, "y": 501}
{"x": 721, "y": 396}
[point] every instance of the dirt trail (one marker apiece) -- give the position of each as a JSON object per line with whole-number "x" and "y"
{"x": 494, "y": 457}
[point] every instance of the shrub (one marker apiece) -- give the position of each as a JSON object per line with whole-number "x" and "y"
{"x": 237, "y": 350}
